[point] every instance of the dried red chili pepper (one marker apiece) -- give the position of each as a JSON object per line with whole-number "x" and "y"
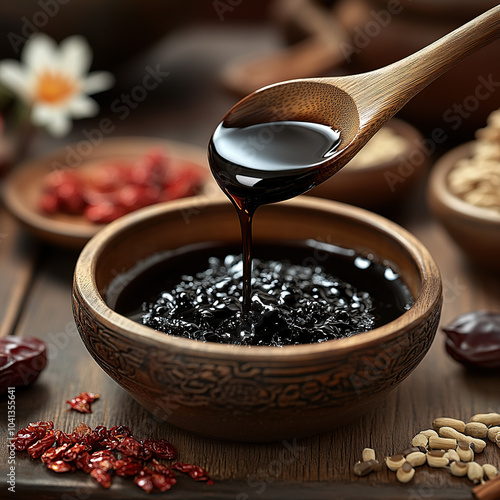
{"x": 83, "y": 401}
{"x": 22, "y": 359}
{"x": 194, "y": 471}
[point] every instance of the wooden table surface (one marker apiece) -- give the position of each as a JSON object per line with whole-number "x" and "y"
{"x": 35, "y": 299}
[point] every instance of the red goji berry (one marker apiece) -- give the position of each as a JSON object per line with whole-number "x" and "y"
{"x": 194, "y": 471}
{"x": 83, "y": 462}
{"x": 60, "y": 466}
{"x": 101, "y": 477}
{"x": 37, "y": 449}
{"x": 83, "y": 401}
{"x": 130, "y": 447}
{"x": 144, "y": 480}
{"x": 23, "y": 439}
{"x": 127, "y": 467}
{"x": 160, "y": 448}
{"x": 53, "y": 454}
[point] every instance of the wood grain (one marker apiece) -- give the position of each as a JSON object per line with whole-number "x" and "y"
{"x": 17, "y": 262}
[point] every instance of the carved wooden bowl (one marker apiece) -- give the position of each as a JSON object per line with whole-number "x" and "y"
{"x": 259, "y": 393}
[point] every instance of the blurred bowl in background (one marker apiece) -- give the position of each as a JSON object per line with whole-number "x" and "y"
{"x": 399, "y": 161}
{"x": 474, "y": 229}
{"x": 24, "y": 186}
{"x": 380, "y": 32}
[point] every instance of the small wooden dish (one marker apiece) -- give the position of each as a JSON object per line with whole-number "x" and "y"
{"x": 23, "y": 187}
{"x": 258, "y": 393}
{"x": 476, "y": 230}
{"x": 380, "y": 183}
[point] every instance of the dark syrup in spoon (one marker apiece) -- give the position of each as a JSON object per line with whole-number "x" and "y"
{"x": 266, "y": 163}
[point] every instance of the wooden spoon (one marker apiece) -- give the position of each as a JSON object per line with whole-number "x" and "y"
{"x": 358, "y": 105}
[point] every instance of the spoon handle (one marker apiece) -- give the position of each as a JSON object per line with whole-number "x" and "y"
{"x": 386, "y": 90}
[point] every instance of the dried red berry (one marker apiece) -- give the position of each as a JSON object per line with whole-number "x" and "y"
{"x": 194, "y": 471}
{"x": 63, "y": 438}
{"x": 120, "y": 431}
{"x": 127, "y": 467}
{"x": 83, "y": 401}
{"x": 71, "y": 454}
{"x": 23, "y": 439}
{"x": 109, "y": 190}
{"x": 104, "y": 460}
{"x": 101, "y": 477}
{"x": 53, "y": 454}
{"x": 161, "y": 482}
{"x": 160, "y": 448}
{"x": 80, "y": 431}
{"x": 144, "y": 480}
{"x": 60, "y": 466}
{"x": 83, "y": 462}
{"x": 37, "y": 449}
{"x": 130, "y": 447}
{"x": 159, "y": 468}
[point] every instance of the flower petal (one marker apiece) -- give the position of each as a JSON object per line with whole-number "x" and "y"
{"x": 82, "y": 106}
{"x": 75, "y": 56}
{"x": 54, "y": 118}
{"x": 97, "y": 82}
{"x": 40, "y": 52}
{"x": 14, "y": 77}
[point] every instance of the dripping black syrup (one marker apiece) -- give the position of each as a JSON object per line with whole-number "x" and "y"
{"x": 266, "y": 163}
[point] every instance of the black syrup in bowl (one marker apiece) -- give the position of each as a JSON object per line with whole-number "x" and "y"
{"x": 296, "y": 299}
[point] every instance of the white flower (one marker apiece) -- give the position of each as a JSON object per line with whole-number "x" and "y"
{"x": 54, "y": 81}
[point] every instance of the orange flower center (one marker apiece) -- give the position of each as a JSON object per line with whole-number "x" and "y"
{"x": 54, "y": 87}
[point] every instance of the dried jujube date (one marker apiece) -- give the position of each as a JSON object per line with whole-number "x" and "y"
{"x": 473, "y": 339}
{"x": 21, "y": 361}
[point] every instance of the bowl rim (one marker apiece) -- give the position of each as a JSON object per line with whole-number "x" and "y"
{"x": 85, "y": 286}
{"x": 438, "y": 186}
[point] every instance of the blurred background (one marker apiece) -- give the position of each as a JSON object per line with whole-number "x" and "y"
{"x": 217, "y": 51}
